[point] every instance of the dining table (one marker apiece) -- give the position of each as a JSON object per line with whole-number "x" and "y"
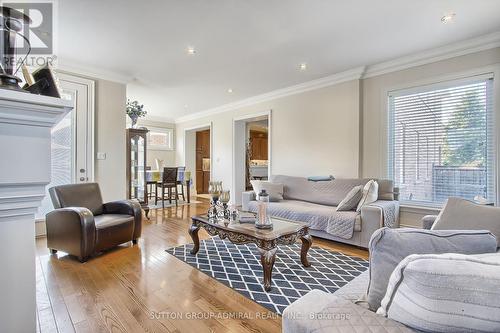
{"x": 183, "y": 179}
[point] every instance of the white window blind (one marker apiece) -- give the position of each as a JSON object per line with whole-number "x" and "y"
{"x": 441, "y": 141}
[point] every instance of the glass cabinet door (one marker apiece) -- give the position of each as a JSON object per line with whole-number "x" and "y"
{"x": 137, "y": 168}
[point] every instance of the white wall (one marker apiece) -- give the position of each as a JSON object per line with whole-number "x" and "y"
{"x": 110, "y": 138}
{"x": 317, "y": 132}
{"x": 241, "y": 134}
{"x": 313, "y": 133}
{"x": 190, "y": 158}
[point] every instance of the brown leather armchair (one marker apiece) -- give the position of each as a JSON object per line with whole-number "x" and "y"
{"x": 82, "y": 224}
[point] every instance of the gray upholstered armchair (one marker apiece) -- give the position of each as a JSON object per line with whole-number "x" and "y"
{"x": 461, "y": 214}
{"x": 82, "y": 224}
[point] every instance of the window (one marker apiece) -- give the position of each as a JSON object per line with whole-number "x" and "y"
{"x": 160, "y": 138}
{"x": 441, "y": 141}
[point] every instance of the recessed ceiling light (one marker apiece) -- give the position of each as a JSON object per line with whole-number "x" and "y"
{"x": 191, "y": 51}
{"x": 230, "y": 90}
{"x": 448, "y": 18}
{"x": 303, "y": 66}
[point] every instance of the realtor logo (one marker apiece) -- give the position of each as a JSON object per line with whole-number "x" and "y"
{"x": 40, "y": 33}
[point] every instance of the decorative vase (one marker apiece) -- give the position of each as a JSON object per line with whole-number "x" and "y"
{"x": 134, "y": 120}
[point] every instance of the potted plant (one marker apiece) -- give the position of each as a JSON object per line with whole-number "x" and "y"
{"x": 135, "y": 111}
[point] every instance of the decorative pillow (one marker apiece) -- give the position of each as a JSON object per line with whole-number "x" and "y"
{"x": 461, "y": 214}
{"x": 370, "y": 194}
{"x": 275, "y": 190}
{"x": 350, "y": 202}
{"x": 388, "y": 247}
{"x": 386, "y": 190}
{"x": 445, "y": 293}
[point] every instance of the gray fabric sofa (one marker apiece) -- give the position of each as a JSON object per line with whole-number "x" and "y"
{"x": 343, "y": 311}
{"x": 321, "y": 312}
{"x": 315, "y": 203}
{"x": 346, "y": 310}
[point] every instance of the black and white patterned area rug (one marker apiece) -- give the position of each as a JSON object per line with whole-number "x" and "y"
{"x": 239, "y": 267}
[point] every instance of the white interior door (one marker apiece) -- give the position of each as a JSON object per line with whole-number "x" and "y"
{"x": 72, "y": 138}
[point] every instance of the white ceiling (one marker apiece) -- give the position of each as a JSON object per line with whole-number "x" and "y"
{"x": 254, "y": 46}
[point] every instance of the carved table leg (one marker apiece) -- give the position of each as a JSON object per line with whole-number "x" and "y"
{"x": 267, "y": 260}
{"x": 193, "y": 232}
{"x": 306, "y": 244}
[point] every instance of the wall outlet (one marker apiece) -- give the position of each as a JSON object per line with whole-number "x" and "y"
{"x": 101, "y": 156}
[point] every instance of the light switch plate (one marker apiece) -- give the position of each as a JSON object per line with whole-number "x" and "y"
{"x": 101, "y": 156}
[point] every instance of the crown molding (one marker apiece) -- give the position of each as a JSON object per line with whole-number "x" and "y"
{"x": 72, "y": 67}
{"x": 349, "y": 75}
{"x": 159, "y": 119}
{"x": 453, "y": 50}
{"x": 457, "y": 49}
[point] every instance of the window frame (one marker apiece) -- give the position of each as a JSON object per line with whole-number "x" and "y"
{"x": 440, "y": 82}
{"x": 162, "y": 130}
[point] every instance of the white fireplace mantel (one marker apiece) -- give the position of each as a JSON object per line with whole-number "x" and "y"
{"x": 25, "y": 130}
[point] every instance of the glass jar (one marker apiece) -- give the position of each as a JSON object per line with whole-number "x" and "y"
{"x": 263, "y": 219}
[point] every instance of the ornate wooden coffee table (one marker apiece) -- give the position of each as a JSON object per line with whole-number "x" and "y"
{"x": 267, "y": 240}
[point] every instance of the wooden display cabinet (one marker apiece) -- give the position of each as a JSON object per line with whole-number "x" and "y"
{"x": 136, "y": 166}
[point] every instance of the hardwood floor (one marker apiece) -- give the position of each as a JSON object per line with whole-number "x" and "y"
{"x": 127, "y": 289}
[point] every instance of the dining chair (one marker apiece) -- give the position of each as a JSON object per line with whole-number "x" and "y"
{"x": 150, "y": 184}
{"x": 181, "y": 177}
{"x": 169, "y": 182}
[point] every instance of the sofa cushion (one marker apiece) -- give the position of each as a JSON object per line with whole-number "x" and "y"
{"x": 467, "y": 286}
{"x": 350, "y": 202}
{"x": 370, "y": 194}
{"x": 109, "y": 220}
{"x": 461, "y": 214}
{"x": 275, "y": 190}
{"x": 388, "y": 247}
{"x": 355, "y": 290}
{"x": 329, "y": 193}
{"x": 321, "y": 312}
{"x": 386, "y": 189}
{"x": 113, "y": 229}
